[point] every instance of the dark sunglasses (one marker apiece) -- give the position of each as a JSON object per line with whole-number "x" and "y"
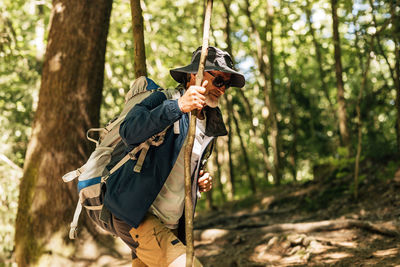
{"x": 219, "y": 81}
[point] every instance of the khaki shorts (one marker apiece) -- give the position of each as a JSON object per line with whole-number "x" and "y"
{"x": 158, "y": 246}
{"x": 152, "y": 243}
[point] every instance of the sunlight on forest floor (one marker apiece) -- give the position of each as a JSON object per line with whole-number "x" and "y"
{"x": 344, "y": 246}
{"x": 278, "y": 232}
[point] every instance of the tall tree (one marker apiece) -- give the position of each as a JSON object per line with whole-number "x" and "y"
{"x": 396, "y": 79}
{"x": 318, "y": 54}
{"x": 344, "y": 132}
{"x": 138, "y": 38}
{"x": 265, "y": 59}
{"x": 69, "y": 103}
{"x": 218, "y": 173}
{"x": 393, "y": 70}
{"x": 227, "y": 105}
{"x": 229, "y": 99}
{"x": 293, "y": 119}
{"x": 365, "y": 69}
{"x": 269, "y": 93}
{"x": 249, "y": 169}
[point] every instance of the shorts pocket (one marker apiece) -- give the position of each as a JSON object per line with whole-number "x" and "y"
{"x": 149, "y": 250}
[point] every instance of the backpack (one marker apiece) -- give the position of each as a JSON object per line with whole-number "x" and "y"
{"x": 109, "y": 156}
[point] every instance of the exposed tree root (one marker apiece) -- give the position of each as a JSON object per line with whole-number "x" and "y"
{"x": 213, "y": 221}
{"x": 329, "y": 225}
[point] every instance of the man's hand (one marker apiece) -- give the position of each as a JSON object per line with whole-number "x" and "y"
{"x": 205, "y": 181}
{"x": 193, "y": 98}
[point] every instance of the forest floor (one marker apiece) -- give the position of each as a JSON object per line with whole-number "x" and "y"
{"x": 317, "y": 223}
{"x": 310, "y": 224}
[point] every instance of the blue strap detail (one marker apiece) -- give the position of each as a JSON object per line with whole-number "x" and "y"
{"x": 151, "y": 85}
{"x": 89, "y": 182}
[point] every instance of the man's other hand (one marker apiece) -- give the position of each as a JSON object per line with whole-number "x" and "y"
{"x": 205, "y": 181}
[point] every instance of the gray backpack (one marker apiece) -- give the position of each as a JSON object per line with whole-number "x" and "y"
{"x": 109, "y": 155}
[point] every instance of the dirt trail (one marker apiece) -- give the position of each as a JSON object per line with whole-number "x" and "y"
{"x": 315, "y": 224}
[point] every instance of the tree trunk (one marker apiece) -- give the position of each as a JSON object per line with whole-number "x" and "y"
{"x": 209, "y": 194}
{"x": 266, "y": 69}
{"x": 397, "y": 84}
{"x": 344, "y": 132}
{"x": 249, "y": 169}
{"x": 359, "y": 122}
{"x": 229, "y": 144}
{"x": 139, "y": 60}
{"x": 293, "y": 121}
{"x": 69, "y": 103}
{"x": 318, "y": 54}
{"x": 267, "y": 167}
{"x": 269, "y": 94}
{"x": 225, "y": 174}
{"x": 229, "y": 114}
{"x": 254, "y": 134}
{"x": 230, "y": 109}
{"x": 218, "y": 173}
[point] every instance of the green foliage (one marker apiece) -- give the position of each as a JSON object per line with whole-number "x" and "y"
{"x": 9, "y": 182}
{"x": 19, "y": 76}
{"x": 306, "y": 114}
{"x": 389, "y": 170}
{"x": 20, "y": 67}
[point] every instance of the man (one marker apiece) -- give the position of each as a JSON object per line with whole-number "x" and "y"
{"x": 147, "y": 207}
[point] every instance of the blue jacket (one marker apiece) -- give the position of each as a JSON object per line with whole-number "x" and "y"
{"x": 129, "y": 194}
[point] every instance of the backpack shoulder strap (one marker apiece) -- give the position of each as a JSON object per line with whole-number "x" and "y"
{"x": 174, "y": 94}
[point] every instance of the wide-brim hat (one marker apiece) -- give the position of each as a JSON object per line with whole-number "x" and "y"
{"x": 216, "y": 60}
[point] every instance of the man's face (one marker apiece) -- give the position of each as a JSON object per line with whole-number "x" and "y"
{"x": 217, "y": 83}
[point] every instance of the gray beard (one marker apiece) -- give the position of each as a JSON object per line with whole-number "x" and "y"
{"x": 211, "y": 103}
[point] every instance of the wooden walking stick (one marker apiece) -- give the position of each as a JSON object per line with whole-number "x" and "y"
{"x": 190, "y": 142}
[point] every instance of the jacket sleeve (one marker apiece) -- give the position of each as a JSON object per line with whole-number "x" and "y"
{"x": 148, "y": 118}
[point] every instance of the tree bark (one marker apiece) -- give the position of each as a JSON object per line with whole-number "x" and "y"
{"x": 342, "y": 116}
{"x": 252, "y": 180}
{"x": 139, "y": 61}
{"x": 218, "y": 173}
{"x": 265, "y": 63}
{"x": 229, "y": 113}
{"x": 397, "y": 84}
{"x": 229, "y": 144}
{"x": 318, "y": 54}
{"x": 359, "y": 122}
{"x": 293, "y": 121}
{"x": 69, "y": 103}
{"x": 254, "y": 134}
{"x": 270, "y": 95}
{"x": 225, "y": 174}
